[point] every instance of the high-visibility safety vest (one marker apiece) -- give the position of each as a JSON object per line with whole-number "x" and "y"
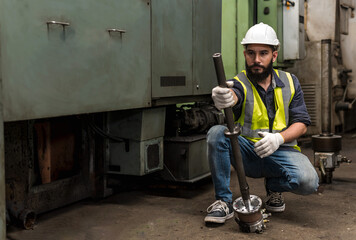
{"x": 254, "y": 116}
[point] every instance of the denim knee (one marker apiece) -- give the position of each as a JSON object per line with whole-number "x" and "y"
{"x": 216, "y": 136}
{"x": 307, "y": 182}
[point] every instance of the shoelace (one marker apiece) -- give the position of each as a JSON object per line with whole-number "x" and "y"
{"x": 274, "y": 197}
{"x": 218, "y": 205}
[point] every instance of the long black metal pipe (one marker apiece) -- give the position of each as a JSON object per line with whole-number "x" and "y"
{"x": 233, "y": 133}
{"x": 326, "y": 85}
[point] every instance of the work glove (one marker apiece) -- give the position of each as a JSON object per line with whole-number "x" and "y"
{"x": 223, "y": 97}
{"x": 269, "y": 143}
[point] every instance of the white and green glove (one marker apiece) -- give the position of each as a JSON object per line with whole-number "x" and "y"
{"x": 269, "y": 143}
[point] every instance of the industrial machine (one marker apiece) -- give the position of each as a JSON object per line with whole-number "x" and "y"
{"x": 90, "y": 91}
{"x": 325, "y": 81}
{"x": 319, "y": 65}
{"x": 327, "y": 145}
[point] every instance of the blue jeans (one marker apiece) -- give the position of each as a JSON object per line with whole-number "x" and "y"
{"x": 285, "y": 171}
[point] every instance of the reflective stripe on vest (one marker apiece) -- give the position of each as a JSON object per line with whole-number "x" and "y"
{"x": 254, "y": 116}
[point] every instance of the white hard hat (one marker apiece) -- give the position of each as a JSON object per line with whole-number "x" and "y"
{"x": 261, "y": 34}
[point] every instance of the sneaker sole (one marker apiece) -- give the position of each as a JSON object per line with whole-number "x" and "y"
{"x": 209, "y": 219}
{"x": 276, "y": 209}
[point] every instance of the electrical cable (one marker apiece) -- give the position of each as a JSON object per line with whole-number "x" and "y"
{"x": 102, "y": 133}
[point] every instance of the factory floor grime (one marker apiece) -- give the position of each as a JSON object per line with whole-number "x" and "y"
{"x": 177, "y": 212}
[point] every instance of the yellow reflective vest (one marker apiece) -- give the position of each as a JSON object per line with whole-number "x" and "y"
{"x": 254, "y": 116}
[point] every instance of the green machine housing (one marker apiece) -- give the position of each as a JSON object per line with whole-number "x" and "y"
{"x": 86, "y": 86}
{"x": 89, "y": 88}
{"x": 65, "y": 58}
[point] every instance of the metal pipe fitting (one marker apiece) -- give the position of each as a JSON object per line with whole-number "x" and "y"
{"x": 326, "y": 85}
{"x": 27, "y": 219}
{"x": 342, "y": 106}
{"x": 249, "y": 220}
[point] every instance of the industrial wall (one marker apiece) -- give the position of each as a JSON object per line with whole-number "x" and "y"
{"x": 348, "y": 51}
{"x": 320, "y": 24}
{"x": 329, "y": 19}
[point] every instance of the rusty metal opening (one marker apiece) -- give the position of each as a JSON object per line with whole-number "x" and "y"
{"x": 57, "y": 148}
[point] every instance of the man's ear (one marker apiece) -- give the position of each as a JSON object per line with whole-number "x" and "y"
{"x": 274, "y": 56}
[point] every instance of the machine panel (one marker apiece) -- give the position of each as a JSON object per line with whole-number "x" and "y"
{"x": 172, "y": 56}
{"x": 58, "y": 57}
{"x": 206, "y": 41}
{"x": 293, "y": 31}
{"x": 271, "y": 12}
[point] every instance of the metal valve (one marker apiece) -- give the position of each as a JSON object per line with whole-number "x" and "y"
{"x": 327, "y": 162}
{"x": 344, "y": 159}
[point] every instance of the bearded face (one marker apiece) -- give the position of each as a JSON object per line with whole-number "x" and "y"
{"x": 259, "y": 60}
{"x": 258, "y": 72}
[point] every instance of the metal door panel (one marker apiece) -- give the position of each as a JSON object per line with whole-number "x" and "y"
{"x": 171, "y": 48}
{"x": 293, "y": 31}
{"x": 229, "y": 37}
{"x": 49, "y": 70}
{"x": 206, "y": 42}
{"x": 271, "y": 12}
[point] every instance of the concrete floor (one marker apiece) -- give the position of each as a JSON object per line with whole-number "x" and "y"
{"x": 177, "y": 212}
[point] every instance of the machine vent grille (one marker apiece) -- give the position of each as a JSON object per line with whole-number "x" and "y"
{"x": 310, "y": 101}
{"x": 172, "y": 81}
{"x": 153, "y": 156}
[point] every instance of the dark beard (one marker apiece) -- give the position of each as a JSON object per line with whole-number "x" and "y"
{"x": 259, "y": 77}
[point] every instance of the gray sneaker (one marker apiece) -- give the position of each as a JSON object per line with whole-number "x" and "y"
{"x": 274, "y": 202}
{"x": 219, "y": 212}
